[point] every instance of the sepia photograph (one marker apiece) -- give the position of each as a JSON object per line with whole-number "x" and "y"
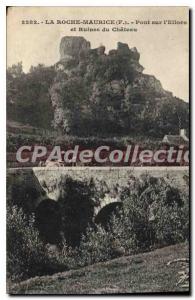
{"x": 98, "y": 140}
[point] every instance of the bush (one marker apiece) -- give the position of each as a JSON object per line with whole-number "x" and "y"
{"x": 172, "y": 224}
{"x": 25, "y": 250}
{"x": 27, "y": 256}
{"x": 95, "y": 246}
{"x": 155, "y": 212}
{"x": 100, "y": 244}
{"x": 121, "y": 228}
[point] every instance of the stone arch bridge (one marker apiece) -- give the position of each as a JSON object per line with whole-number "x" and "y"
{"x": 40, "y": 189}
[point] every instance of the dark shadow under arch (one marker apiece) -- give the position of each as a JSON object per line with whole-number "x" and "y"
{"x": 104, "y": 215}
{"x": 48, "y": 221}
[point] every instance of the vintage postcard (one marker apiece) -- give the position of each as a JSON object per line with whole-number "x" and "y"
{"x": 98, "y": 150}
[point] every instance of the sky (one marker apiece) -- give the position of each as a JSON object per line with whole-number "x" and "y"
{"x": 164, "y": 49}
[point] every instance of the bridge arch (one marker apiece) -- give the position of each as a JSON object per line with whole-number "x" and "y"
{"x": 107, "y": 207}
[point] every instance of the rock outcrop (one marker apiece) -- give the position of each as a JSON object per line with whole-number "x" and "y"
{"x": 111, "y": 93}
{"x": 72, "y": 46}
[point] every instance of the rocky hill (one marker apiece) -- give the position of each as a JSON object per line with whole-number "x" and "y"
{"x": 93, "y": 93}
{"x": 99, "y": 93}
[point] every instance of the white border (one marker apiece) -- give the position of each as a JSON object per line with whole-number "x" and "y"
{"x": 98, "y": 3}
{"x": 3, "y": 4}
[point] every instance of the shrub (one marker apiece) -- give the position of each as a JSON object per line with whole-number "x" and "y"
{"x": 25, "y": 250}
{"x": 121, "y": 228}
{"x": 172, "y": 224}
{"x": 155, "y": 212}
{"x": 100, "y": 244}
{"x": 27, "y": 255}
{"x": 95, "y": 246}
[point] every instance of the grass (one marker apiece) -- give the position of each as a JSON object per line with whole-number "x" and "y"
{"x": 143, "y": 273}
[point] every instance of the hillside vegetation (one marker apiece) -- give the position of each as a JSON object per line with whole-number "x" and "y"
{"x": 91, "y": 93}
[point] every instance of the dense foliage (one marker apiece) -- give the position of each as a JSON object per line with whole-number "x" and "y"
{"x": 153, "y": 214}
{"x": 27, "y": 254}
{"x": 28, "y": 99}
{"x": 104, "y": 94}
{"x": 96, "y": 94}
